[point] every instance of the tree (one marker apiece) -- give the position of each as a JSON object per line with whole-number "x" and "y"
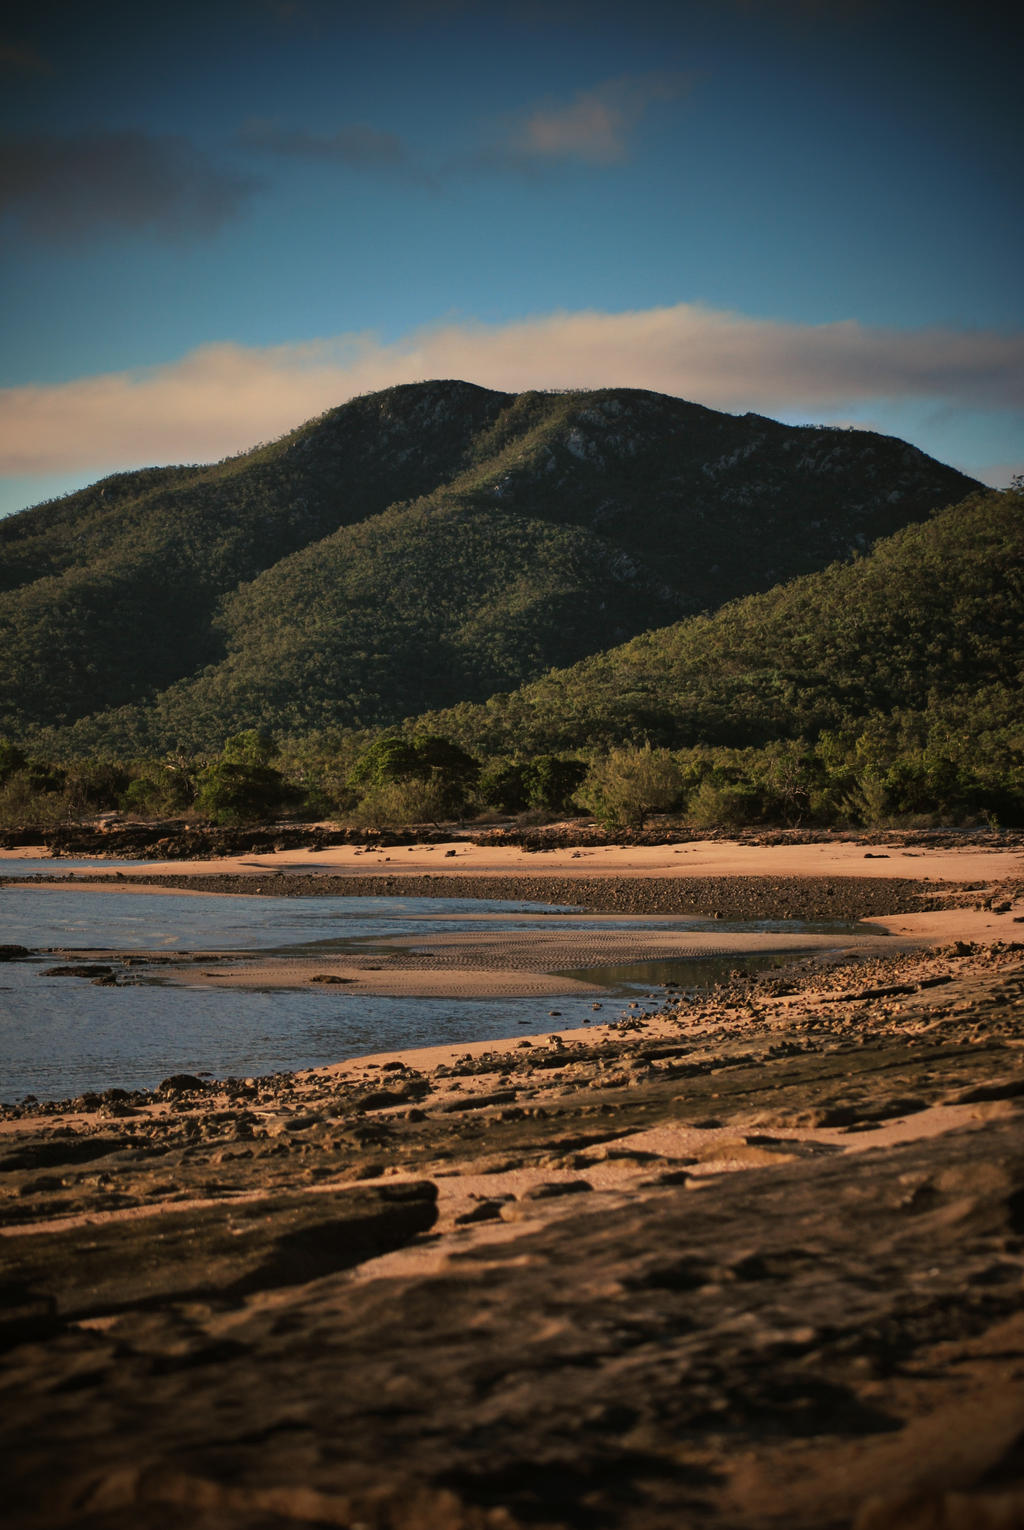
{"x": 93, "y": 785}
{"x": 428, "y": 759}
{"x": 253, "y": 746}
{"x": 551, "y": 782}
{"x": 723, "y": 804}
{"x": 400, "y": 803}
{"x": 629, "y": 784}
{"x": 162, "y": 786}
{"x": 386, "y": 759}
{"x": 546, "y": 783}
{"x": 439, "y": 758}
{"x": 231, "y": 793}
{"x": 11, "y": 759}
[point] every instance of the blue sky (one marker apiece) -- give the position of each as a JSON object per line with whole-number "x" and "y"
{"x": 223, "y": 218}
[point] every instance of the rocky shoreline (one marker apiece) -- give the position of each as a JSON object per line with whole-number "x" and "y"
{"x": 749, "y": 1262}
{"x": 726, "y": 897}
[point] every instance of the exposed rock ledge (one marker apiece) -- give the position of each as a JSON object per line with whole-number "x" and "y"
{"x": 754, "y": 1263}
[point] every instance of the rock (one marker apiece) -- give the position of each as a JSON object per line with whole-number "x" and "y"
{"x": 483, "y": 1211}
{"x": 996, "y": 1089}
{"x": 479, "y": 1101}
{"x": 181, "y": 1083}
{"x": 48, "y": 1152}
{"x": 385, "y": 1099}
{"x": 799, "y": 1333}
{"x": 943, "y": 1511}
{"x": 223, "y": 1252}
{"x": 93, "y": 970}
{"x": 549, "y": 1190}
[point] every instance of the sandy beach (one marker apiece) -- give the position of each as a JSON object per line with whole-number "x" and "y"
{"x": 698, "y": 858}
{"x": 725, "y": 880}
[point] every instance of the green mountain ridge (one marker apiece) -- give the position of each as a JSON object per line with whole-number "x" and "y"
{"x": 413, "y": 549}
{"x": 924, "y": 634}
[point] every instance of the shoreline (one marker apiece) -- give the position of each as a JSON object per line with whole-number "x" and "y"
{"x": 669, "y": 1232}
{"x": 948, "y": 856}
{"x": 936, "y": 904}
{"x": 553, "y": 949}
{"x": 761, "y": 1245}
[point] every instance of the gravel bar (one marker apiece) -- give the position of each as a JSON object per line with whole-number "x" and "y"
{"x": 732, "y": 898}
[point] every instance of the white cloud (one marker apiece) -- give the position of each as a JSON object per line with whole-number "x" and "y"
{"x": 223, "y": 398}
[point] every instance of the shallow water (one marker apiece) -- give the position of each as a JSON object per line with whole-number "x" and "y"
{"x": 59, "y": 865}
{"x": 61, "y": 1036}
{"x": 48, "y": 915}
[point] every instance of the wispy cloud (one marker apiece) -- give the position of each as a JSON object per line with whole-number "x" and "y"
{"x": 596, "y": 126}
{"x": 356, "y": 144}
{"x": 66, "y": 189}
{"x": 591, "y": 128}
{"x": 222, "y": 398}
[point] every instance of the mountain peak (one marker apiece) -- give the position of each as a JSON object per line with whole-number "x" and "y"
{"x": 428, "y": 543}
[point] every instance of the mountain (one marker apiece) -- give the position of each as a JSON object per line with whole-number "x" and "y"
{"x": 925, "y": 632}
{"x": 414, "y": 548}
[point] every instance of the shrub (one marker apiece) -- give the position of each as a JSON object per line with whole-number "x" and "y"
{"x": 398, "y": 804}
{"x": 724, "y": 805}
{"x": 624, "y": 787}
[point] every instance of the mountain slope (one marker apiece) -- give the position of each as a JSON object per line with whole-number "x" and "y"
{"x": 148, "y": 556}
{"x": 413, "y": 547}
{"x": 422, "y": 601}
{"x": 930, "y": 622}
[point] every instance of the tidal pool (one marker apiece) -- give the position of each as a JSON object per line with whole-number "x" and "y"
{"x": 60, "y": 1036}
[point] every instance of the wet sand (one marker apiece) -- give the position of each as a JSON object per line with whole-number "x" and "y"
{"x": 472, "y": 965}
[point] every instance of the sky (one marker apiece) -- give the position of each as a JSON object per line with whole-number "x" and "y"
{"x": 219, "y": 219}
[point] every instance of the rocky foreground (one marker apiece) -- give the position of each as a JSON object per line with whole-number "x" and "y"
{"x": 744, "y": 1263}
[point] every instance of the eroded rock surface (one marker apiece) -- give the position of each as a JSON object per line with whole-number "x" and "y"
{"x": 750, "y": 1262}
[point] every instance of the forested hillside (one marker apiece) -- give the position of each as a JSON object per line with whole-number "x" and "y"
{"x": 113, "y": 593}
{"x": 415, "y": 548}
{"x": 925, "y": 633}
{"x": 884, "y": 689}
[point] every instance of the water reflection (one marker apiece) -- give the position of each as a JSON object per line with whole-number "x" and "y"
{"x": 679, "y": 976}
